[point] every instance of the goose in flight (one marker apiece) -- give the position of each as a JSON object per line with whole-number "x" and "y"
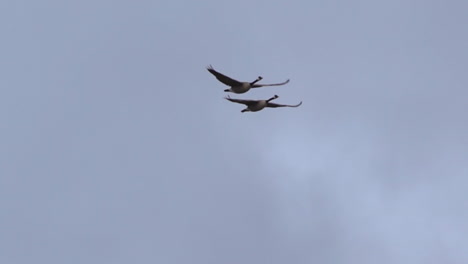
{"x": 257, "y": 105}
{"x": 237, "y": 86}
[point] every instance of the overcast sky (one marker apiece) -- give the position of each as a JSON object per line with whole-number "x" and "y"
{"x": 117, "y": 145}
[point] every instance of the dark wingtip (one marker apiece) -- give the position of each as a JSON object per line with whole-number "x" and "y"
{"x": 211, "y": 70}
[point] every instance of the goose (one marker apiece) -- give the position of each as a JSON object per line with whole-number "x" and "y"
{"x": 237, "y": 86}
{"x": 257, "y": 105}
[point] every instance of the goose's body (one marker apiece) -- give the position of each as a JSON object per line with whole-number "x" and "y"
{"x": 257, "y": 105}
{"x": 237, "y": 86}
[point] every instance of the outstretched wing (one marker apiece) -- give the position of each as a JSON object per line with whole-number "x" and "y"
{"x": 241, "y": 101}
{"x": 273, "y": 84}
{"x": 282, "y": 105}
{"x": 223, "y": 78}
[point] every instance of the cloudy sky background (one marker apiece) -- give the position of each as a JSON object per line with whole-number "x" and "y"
{"x": 118, "y": 147}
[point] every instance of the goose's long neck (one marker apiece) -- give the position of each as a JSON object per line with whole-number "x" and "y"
{"x": 273, "y": 98}
{"x": 254, "y": 82}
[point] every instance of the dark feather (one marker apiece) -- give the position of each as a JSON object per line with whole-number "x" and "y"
{"x": 223, "y": 78}
{"x": 241, "y": 101}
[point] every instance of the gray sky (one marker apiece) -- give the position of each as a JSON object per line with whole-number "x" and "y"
{"x": 118, "y": 147}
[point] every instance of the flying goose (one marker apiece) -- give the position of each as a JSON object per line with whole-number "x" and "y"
{"x": 257, "y": 105}
{"x": 237, "y": 86}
